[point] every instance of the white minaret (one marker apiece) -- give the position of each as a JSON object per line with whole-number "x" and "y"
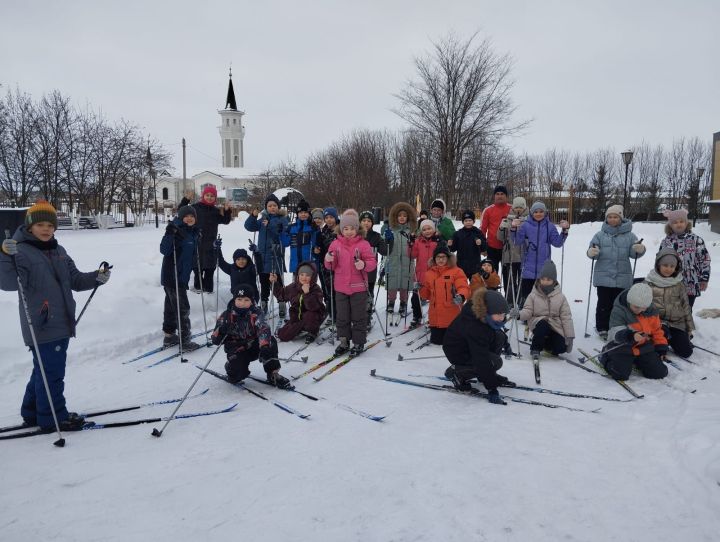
{"x": 232, "y": 131}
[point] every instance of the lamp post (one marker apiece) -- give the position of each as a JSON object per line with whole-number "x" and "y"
{"x": 627, "y": 158}
{"x": 700, "y": 172}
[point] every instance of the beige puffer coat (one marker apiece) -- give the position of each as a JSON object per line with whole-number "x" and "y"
{"x": 552, "y": 307}
{"x": 670, "y": 295}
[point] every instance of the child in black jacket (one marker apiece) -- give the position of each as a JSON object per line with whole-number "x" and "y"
{"x": 469, "y": 242}
{"x": 242, "y": 271}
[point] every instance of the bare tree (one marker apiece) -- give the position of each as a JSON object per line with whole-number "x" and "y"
{"x": 17, "y": 166}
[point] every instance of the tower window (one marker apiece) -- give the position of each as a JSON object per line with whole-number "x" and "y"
{"x": 165, "y": 193}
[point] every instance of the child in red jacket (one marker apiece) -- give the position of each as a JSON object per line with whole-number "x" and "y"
{"x": 422, "y": 252}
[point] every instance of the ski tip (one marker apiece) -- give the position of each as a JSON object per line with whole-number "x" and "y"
{"x": 304, "y": 359}
{"x": 372, "y": 372}
{"x": 377, "y": 418}
{"x": 60, "y": 443}
{"x": 156, "y": 433}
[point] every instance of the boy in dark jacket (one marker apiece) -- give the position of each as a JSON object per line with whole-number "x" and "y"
{"x": 379, "y": 246}
{"x": 326, "y": 235}
{"x": 469, "y": 242}
{"x": 241, "y": 271}
{"x": 247, "y": 338}
{"x": 48, "y": 277}
{"x": 300, "y": 236}
{"x": 307, "y": 309}
{"x": 179, "y": 244}
{"x": 473, "y": 343}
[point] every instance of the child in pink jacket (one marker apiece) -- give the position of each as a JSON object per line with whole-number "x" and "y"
{"x": 422, "y": 252}
{"x": 351, "y": 258}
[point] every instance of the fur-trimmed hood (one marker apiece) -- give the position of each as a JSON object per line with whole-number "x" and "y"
{"x": 402, "y": 206}
{"x": 477, "y": 304}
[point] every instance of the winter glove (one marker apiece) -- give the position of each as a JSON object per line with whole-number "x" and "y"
{"x": 626, "y": 336}
{"x": 103, "y": 275}
{"x": 703, "y": 286}
{"x": 171, "y": 229}
{"x": 389, "y": 235}
{"x": 253, "y": 247}
{"x": 569, "y": 344}
{"x": 661, "y": 350}
{"x": 593, "y": 252}
{"x": 359, "y": 265}
{"x": 329, "y": 257}
{"x": 9, "y": 247}
{"x": 639, "y": 249}
{"x": 458, "y": 299}
{"x": 514, "y": 313}
{"x": 484, "y": 274}
{"x": 565, "y": 225}
{"x": 217, "y": 243}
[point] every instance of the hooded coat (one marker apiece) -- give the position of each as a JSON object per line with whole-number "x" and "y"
{"x": 186, "y": 244}
{"x": 269, "y": 242}
{"x": 399, "y": 269}
{"x": 648, "y": 321}
{"x": 246, "y": 275}
{"x": 208, "y": 219}
{"x": 670, "y": 295}
{"x": 695, "y": 258}
{"x": 535, "y": 239}
{"x": 612, "y": 267}
{"x": 440, "y": 286}
{"x": 302, "y": 303}
{"x": 553, "y": 307}
{"x": 348, "y": 279}
{"x": 48, "y": 276}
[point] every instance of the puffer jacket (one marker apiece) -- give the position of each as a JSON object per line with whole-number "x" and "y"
{"x": 670, "y": 296}
{"x": 439, "y": 287}
{"x": 246, "y": 275}
{"x": 301, "y": 302}
{"x": 468, "y": 252}
{"x": 301, "y": 238}
{"x": 242, "y": 327}
{"x": 399, "y": 269}
{"x": 208, "y": 219}
{"x": 348, "y": 280}
{"x": 612, "y": 266}
{"x": 648, "y": 321}
{"x": 553, "y": 307}
{"x": 48, "y": 276}
{"x": 512, "y": 253}
{"x": 185, "y": 241}
{"x": 695, "y": 258}
{"x": 535, "y": 239}
{"x": 422, "y": 253}
{"x": 492, "y": 282}
{"x": 269, "y": 243}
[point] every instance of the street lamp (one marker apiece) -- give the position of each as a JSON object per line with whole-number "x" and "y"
{"x": 627, "y": 158}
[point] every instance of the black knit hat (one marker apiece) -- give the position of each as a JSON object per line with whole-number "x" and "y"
{"x": 495, "y": 303}
{"x": 302, "y": 206}
{"x": 240, "y": 253}
{"x": 271, "y": 197}
{"x": 367, "y": 214}
{"x": 245, "y": 290}
{"x": 468, "y": 214}
{"x": 500, "y": 188}
{"x": 492, "y": 264}
{"x": 186, "y": 210}
{"x": 440, "y": 204}
{"x": 441, "y": 249}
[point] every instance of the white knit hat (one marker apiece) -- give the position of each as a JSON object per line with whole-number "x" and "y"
{"x": 615, "y": 210}
{"x": 640, "y": 295}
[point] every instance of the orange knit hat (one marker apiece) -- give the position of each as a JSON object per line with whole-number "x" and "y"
{"x": 42, "y": 211}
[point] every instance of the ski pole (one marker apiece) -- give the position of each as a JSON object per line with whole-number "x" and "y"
{"x": 60, "y": 442}
{"x": 583, "y": 359}
{"x": 636, "y": 257}
{"x": 705, "y": 350}
{"x": 177, "y": 304}
{"x": 158, "y": 433}
{"x": 367, "y": 291}
{"x": 333, "y": 327}
{"x": 401, "y": 358}
{"x": 202, "y": 288}
{"x": 217, "y": 285}
{"x": 587, "y": 310}
{"x": 103, "y": 266}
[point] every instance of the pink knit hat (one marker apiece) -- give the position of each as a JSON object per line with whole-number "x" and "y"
{"x": 350, "y": 218}
{"x": 427, "y": 222}
{"x": 672, "y": 216}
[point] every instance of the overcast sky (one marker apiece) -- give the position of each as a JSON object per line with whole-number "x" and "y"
{"x": 589, "y": 74}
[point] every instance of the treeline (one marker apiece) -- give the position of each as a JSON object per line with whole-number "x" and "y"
{"x": 51, "y": 149}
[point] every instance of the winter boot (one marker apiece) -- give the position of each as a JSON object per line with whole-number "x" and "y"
{"x": 190, "y": 346}
{"x": 416, "y": 322}
{"x": 74, "y": 422}
{"x": 507, "y": 350}
{"x": 278, "y": 380}
{"x": 535, "y": 354}
{"x": 460, "y": 383}
{"x": 403, "y": 309}
{"x": 505, "y": 382}
{"x": 343, "y": 347}
{"x": 603, "y": 335}
{"x": 494, "y": 397}
{"x": 170, "y": 339}
{"x": 282, "y": 310}
{"x": 357, "y": 348}
{"x": 309, "y": 338}
{"x": 228, "y": 371}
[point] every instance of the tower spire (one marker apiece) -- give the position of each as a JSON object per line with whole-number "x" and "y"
{"x": 230, "y": 100}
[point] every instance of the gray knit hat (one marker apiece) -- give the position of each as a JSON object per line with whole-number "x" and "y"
{"x": 538, "y": 205}
{"x": 186, "y": 210}
{"x": 548, "y": 271}
{"x": 519, "y": 203}
{"x": 305, "y": 269}
{"x": 640, "y": 295}
{"x": 495, "y": 303}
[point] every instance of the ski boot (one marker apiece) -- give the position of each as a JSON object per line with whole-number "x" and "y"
{"x": 190, "y": 346}
{"x": 603, "y": 335}
{"x": 505, "y": 382}
{"x": 460, "y": 384}
{"x": 415, "y": 322}
{"x": 357, "y": 348}
{"x": 494, "y": 397}
{"x": 343, "y": 347}
{"x": 279, "y": 381}
{"x": 170, "y": 339}
{"x": 74, "y": 422}
{"x": 309, "y": 338}
{"x": 403, "y": 309}
{"x": 535, "y": 355}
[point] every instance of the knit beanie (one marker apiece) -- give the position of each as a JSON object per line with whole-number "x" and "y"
{"x": 492, "y": 264}
{"x": 186, "y": 210}
{"x": 440, "y": 204}
{"x": 332, "y": 211}
{"x": 427, "y": 222}
{"x": 245, "y": 290}
{"x": 423, "y": 212}
{"x": 350, "y": 218}
{"x": 500, "y": 188}
{"x": 441, "y": 249}
{"x": 317, "y": 213}
{"x": 495, "y": 303}
{"x": 271, "y": 197}
{"x": 519, "y": 203}
{"x": 668, "y": 259}
{"x": 672, "y": 216}
{"x": 538, "y": 205}
{"x": 240, "y": 253}
{"x": 367, "y": 214}
{"x": 209, "y": 189}
{"x": 615, "y": 210}
{"x": 548, "y": 271}
{"x": 302, "y": 206}
{"x": 640, "y": 295}
{"x": 468, "y": 214}
{"x": 42, "y": 211}
{"x": 305, "y": 269}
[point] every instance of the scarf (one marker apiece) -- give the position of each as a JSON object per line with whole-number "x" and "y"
{"x": 657, "y": 279}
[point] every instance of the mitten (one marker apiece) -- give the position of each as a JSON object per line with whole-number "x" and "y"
{"x": 389, "y": 235}
{"x": 458, "y": 299}
{"x": 593, "y": 252}
{"x": 103, "y": 275}
{"x": 9, "y": 247}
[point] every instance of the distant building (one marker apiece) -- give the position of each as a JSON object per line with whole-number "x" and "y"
{"x": 714, "y": 203}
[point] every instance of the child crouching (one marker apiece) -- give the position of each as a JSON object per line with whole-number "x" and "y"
{"x": 486, "y": 277}
{"x": 247, "y": 338}
{"x": 307, "y": 309}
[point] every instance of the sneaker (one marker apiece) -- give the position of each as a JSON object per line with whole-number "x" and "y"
{"x": 190, "y": 346}
{"x": 282, "y": 310}
{"x": 309, "y": 338}
{"x": 170, "y": 339}
{"x": 343, "y": 347}
{"x": 494, "y": 397}
{"x": 278, "y": 380}
{"x": 357, "y": 349}
{"x": 460, "y": 384}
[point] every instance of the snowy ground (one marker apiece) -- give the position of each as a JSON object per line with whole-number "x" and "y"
{"x": 440, "y": 467}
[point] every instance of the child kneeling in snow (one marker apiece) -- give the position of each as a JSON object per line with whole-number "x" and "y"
{"x": 671, "y": 300}
{"x": 473, "y": 343}
{"x": 307, "y": 309}
{"x": 637, "y": 333}
{"x": 247, "y": 338}
{"x": 548, "y": 313}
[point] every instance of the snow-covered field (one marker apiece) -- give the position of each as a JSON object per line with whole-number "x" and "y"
{"x": 440, "y": 467}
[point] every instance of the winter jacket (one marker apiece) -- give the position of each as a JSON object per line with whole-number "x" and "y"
{"x": 243, "y": 328}
{"x": 422, "y": 253}
{"x": 468, "y": 253}
{"x": 536, "y": 238}
{"x": 270, "y": 249}
{"x": 443, "y": 225}
{"x": 553, "y": 307}
{"x": 670, "y": 296}
{"x": 300, "y": 302}
{"x": 492, "y": 282}
{"x": 208, "y": 219}
{"x": 695, "y": 259}
{"x": 348, "y": 280}
{"x": 301, "y": 238}
{"x": 186, "y": 245}
{"x": 612, "y": 267}
{"x": 440, "y": 286}
{"x": 469, "y": 340}
{"x": 48, "y": 276}
{"x": 399, "y": 269}
{"x": 491, "y": 218}
{"x": 648, "y": 321}
{"x": 512, "y": 253}
{"x": 245, "y": 275}
{"x": 379, "y": 246}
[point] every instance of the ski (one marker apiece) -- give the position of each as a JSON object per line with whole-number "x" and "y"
{"x": 477, "y": 393}
{"x": 536, "y": 367}
{"x": 111, "y": 411}
{"x": 159, "y": 349}
{"x": 281, "y": 406}
{"x": 317, "y": 366}
{"x": 422, "y": 345}
{"x": 108, "y": 425}
{"x": 416, "y": 339}
{"x": 388, "y": 340}
{"x": 599, "y": 365}
{"x": 344, "y": 362}
{"x": 543, "y": 390}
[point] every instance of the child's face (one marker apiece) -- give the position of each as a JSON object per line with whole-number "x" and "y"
{"x": 209, "y": 198}
{"x": 519, "y": 211}
{"x": 330, "y": 221}
{"x": 304, "y": 278}
{"x": 243, "y": 302}
{"x": 402, "y": 217}
{"x": 487, "y": 267}
{"x": 427, "y": 231}
{"x": 667, "y": 270}
{"x": 189, "y": 220}
{"x": 538, "y": 215}
{"x": 613, "y": 220}
{"x": 318, "y": 222}
{"x": 679, "y": 226}
{"x": 441, "y": 259}
{"x": 366, "y": 224}
{"x": 436, "y": 212}
{"x": 544, "y": 281}
{"x": 272, "y": 207}
{"x": 303, "y": 215}
{"x": 468, "y": 223}
{"x": 349, "y": 232}
{"x": 635, "y": 309}
{"x": 43, "y": 230}
{"x": 498, "y": 317}
{"x": 241, "y": 262}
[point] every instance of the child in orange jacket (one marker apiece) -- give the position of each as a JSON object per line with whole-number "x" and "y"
{"x": 446, "y": 287}
{"x": 486, "y": 277}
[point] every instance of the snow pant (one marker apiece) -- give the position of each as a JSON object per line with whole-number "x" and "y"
{"x": 508, "y": 271}
{"x": 265, "y": 286}
{"x": 495, "y": 256}
{"x": 691, "y": 300}
{"x": 619, "y": 363}
{"x": 238, "y": 360}
{"x": 310, "y": 322}
{"x": 679, "y": 341}
{"x": 351, "y": 314}
{"x": 546, "y": 338}
{"x": 485, "y": 370}
{"x": 392, "y": 294}
{"x": 606, "y": 298}
{"x": 526, "y": 286}
{"x": 170, "y": 312}
{"x": 35, "y": 407}
{"x": 437, "y": 335}
{"x": 328, "y": 291}
{"x": 204, "y": 279}
{"x": 416, "y": 306}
